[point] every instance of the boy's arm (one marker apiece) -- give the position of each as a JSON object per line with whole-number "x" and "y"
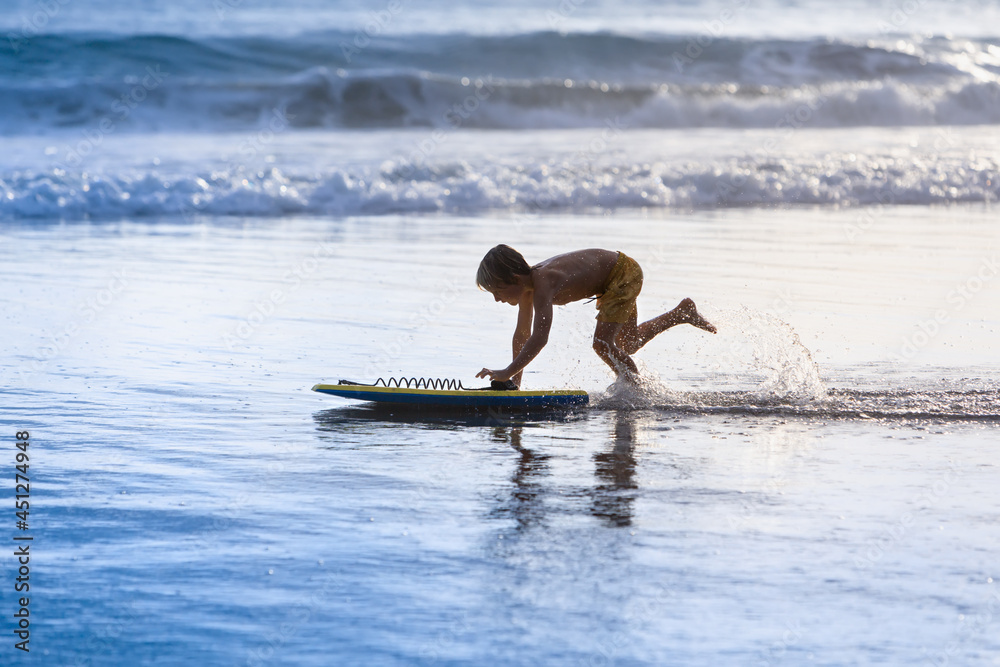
{"x": 536, "y": 341}
{"x": 522, "y": 332}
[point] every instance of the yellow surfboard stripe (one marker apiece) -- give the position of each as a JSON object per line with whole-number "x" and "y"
{"x": 445, "y": 392}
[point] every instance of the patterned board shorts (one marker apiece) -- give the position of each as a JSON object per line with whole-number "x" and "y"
{"x": 617, "y": 303}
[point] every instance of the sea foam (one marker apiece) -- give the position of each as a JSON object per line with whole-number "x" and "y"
{"x": 524, "y": 188}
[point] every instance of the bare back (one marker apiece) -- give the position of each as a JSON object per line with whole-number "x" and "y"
{"x": 574, "y": 275}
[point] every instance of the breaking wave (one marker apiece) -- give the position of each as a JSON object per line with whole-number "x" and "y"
{"x": 524, "y": 81}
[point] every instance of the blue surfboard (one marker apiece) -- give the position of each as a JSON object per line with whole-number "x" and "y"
{"x": 451, "y": 394}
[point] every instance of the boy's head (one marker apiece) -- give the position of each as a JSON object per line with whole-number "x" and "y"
{"x": 500, "y": 268}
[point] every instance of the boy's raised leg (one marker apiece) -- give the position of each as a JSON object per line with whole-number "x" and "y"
{"x": 684, "y": 313}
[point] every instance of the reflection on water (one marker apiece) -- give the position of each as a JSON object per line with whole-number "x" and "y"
{"x": 615, "y": 491}
{"x": 526, "y": 502}
{"x": 378, "y": 417}
{"x": 533, "y": 494}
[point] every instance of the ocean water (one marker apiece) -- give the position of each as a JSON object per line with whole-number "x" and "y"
{"x": 206, "y": 208}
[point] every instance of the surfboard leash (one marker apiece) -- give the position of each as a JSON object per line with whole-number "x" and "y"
{"x": 432, "y": 383}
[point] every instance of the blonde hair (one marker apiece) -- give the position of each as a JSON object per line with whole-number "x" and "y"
{"x": 500, "y": 267}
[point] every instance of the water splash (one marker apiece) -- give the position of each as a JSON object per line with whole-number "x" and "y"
{"x": 766, "y": 350}
{"x": 761, "y": 367}
{"x": 757, "y": 351}
{"x": 627, "y": 395}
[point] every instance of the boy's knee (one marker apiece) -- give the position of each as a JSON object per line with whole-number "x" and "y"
{"x": 602, "y": 346}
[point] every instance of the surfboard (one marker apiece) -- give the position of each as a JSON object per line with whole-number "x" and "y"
{"x": 418, "y": 392}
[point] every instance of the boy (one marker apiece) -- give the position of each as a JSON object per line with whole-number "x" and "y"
{"x": 612, "y": 277}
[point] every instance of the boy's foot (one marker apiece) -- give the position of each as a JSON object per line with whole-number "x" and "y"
{"x": 689, "y": 314}
{"x": 627, "y": 386}
{"x": 629, "y": 378}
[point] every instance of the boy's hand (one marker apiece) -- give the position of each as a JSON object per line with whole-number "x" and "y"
{"x": 499, "y": 376}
